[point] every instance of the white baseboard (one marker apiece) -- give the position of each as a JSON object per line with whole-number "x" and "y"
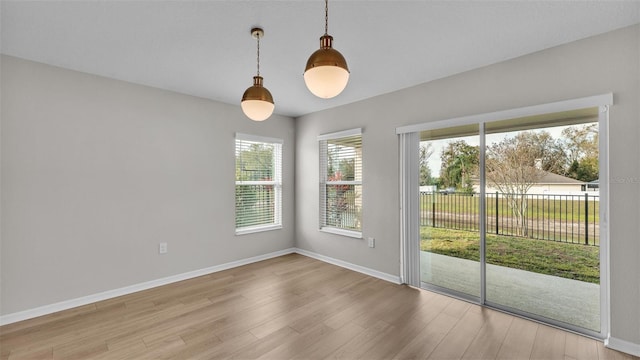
{"x": 347, "y": 265}
{"x": 622, "y": 345}
{"x": 68, "y": 304}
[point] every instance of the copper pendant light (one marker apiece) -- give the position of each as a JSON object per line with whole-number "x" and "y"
{"x": 257, "y": 102}
{"x": 326, "y": 73}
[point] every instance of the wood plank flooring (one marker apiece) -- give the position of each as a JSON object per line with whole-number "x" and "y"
{"x": 290, "y": 307}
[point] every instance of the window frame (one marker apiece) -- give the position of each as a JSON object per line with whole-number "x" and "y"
{"x": 323, "y": 147}
{"x": 276, "y": 182}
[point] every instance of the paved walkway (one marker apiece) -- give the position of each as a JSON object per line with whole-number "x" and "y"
{"x": 571, "y": 301}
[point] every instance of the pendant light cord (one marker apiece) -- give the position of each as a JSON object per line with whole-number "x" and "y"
{"x": 326, "y": 17}
{"x": 258, "y": 38}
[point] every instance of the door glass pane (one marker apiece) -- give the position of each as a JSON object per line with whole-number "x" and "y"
{"x": 449, "y": 210}
{"x": 542, "y": 226}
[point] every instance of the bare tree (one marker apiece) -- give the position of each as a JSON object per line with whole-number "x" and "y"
{"x": 550, "y": 153}
{"x": 513, "y": 166}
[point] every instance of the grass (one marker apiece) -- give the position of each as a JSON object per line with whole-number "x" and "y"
{"x": 572, "y": 261}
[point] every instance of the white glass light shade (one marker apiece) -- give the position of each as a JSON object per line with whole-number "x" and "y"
{"x": 326, "y": 81}
{"x": 257, "y": 102}
{"x": 257, "y": 110}
{"x": 326, "y": 73}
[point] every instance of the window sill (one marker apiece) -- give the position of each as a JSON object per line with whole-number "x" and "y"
{"x": 255, "y": 229}
{"x": 343, "y": 232}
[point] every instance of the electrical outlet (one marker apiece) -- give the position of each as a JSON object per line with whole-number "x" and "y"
{"x": 162, "y": 248}
{"x": 372, "y": 242}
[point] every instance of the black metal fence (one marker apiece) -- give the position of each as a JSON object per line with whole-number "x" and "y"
{"x": 563, "y": 218}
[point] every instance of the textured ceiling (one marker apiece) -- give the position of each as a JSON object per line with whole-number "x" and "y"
{"x": 204, "y": 48}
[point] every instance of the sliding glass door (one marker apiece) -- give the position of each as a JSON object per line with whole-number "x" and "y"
{"x": 450, "y": 210}
{"x": 543, "y": 231}
{"x": 507, "y": 213}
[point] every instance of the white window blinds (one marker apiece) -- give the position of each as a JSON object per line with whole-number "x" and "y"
{"x": 258, "y": 183}
{"x": 341, "y": 182}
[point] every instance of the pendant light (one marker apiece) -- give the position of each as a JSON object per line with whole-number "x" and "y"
{"x": 326, "y": 74}
{"x": 257, "y": 102}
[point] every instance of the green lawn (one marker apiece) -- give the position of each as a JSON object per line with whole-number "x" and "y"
{"x": 572, "y": 261}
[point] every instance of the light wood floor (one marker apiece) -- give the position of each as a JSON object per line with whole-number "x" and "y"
{"x": 290, "y": 307}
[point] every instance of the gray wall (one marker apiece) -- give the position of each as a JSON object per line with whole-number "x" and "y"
{"x": 96, "y": 172}
{"x": 602, "y": 64}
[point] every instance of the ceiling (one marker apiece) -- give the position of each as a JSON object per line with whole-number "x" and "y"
{"x": 204, "y": 48}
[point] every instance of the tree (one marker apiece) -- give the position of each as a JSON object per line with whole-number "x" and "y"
{"x": 581, "y": 141}
{"x": 426, "y": 150}
{"x": 459, "y": 164}
{"x": 512, "y": 168}
{"x": 549, "y": 153}
{"x": 584, "y": 170}
{"x": 255, "y": 162}
{"x": 341, "y": 159}
{"x": 581, "y": 144}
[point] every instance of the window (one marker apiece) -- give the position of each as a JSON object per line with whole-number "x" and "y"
{"x": 341, "y": 182}
{"x": 258, "y": 183}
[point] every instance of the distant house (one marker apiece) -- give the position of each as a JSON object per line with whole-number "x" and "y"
{"x": 592, "y": 186}
{"x": 428, "y": 188}
{"x": 549, "y": 184}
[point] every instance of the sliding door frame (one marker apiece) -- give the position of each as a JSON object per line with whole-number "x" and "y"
{"x": 409, "y": 137}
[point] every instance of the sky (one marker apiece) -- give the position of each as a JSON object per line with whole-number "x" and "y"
{"x": 434, "y": 162}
